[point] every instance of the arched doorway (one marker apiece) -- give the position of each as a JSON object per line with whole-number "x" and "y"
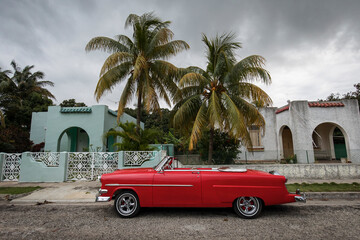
{"x": 329, "y": 143}
{"x": 110, "y": 141}
{"x": 287, "y": 142}
{"x": 339, "y": 144}
{"x": 73, "y": 139}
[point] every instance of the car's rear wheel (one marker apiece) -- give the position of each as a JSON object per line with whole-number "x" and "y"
{"x": 248, "y": 207}
{"x": 127, "y": 204}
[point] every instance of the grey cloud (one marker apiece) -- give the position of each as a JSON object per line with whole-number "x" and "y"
{"x": 292, "y": 35}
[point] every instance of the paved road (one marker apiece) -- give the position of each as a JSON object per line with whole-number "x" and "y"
{"x": 316, "y": 220}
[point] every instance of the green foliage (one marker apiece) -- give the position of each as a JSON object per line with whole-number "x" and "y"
{"x": 21, "y": 93}
{"x": 17, "y": 190}
{"x": 291, "y": 159}
{"x": 324, "y": 187}
{"x": 349, "y": 95}
{"x": 133, "y": 140}
{"x": 158, "y": 119}
{"x": 72, "y": 103}
{"x": 13, "y": 139}
{"x": 226, "y": 148}
{"x": 180, "y": 143}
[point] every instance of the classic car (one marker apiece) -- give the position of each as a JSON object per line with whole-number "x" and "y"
{"x": 166, "y": 185}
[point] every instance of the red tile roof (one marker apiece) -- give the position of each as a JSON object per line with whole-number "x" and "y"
{"x": 314, "y": 104}
{"x": 326, "y": 104}
{"x": 282, "y": 109}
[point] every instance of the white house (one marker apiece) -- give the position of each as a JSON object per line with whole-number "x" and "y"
{"x": 313, "y": 131}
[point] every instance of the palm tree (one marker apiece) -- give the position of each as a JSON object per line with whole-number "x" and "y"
{"x": 220, "y": 97}
{"x": 4, "y": 80}
{"x": 15, "y": 89}
{"x": 140, "y": 62}
{"x": 28, "y": 82}
{"x": 23, "y": 83}
{"x": 132, "y": 139}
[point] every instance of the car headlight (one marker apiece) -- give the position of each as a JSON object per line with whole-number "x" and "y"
{"x": 102, "y": 191}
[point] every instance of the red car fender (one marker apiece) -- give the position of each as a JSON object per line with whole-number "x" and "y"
{"x": 144, "y": 194}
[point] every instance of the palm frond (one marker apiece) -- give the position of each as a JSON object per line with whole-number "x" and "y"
{"x": 251, "y": 114}
{"x": 44, "y": 83}
{"x": 105, "y": 44}
{"x": 126, "y": 96}
{"x": 169, "y": 49}
{"x": 214, "y": 111}
{"x": 249, "y": 69}
{"x": 252, "y": 93}
{"x": 199, "y": 124}
{"x": 114, "y": 60}
{"x": 139, "y": 66}
{"x": 111, "y": 78}
{"x": 162, "y": 36}
{"x": 186, "y": 110}
{"x": 125, "y": 40}
{"x": 235, "y": 117}
{"x": 193, "y": 79}
{"x": 2, "y": 119}
{"x": 150, "y": 96}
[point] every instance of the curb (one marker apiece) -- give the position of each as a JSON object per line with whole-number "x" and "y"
{"x": 333, "y": 195}
{"x": 69, "y": 201}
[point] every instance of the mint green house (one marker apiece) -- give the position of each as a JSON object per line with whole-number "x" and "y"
{"x": 76, "y": 129}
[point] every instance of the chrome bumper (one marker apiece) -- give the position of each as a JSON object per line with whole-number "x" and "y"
{"x": 301, "y": 198}
{"x": 101, "y": 199}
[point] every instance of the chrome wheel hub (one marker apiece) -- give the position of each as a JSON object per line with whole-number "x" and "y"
{"x": 248, "y": 205}
{"x": 127, "y": 204}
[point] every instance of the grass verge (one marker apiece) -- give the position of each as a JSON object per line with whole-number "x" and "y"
{"x": 324, "y": 187}
{"x": 17, "y": 190}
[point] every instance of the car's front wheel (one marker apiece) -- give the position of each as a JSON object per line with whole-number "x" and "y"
{"x": 127, "y": 204}
{"x": 248, "y": 207}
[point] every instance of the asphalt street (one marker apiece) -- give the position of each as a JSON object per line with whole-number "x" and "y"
{"x": 313, "y": 220}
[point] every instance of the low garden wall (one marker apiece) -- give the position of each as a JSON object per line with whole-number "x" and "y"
{"x": 305, "y": 171}
{"x": 65, "y": 166}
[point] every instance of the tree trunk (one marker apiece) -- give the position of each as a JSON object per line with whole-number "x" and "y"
{"x": 211, "y": 146}
{"x": 138, "y": 113}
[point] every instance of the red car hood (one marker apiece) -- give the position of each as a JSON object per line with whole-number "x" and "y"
{"x": 134, "y": 170}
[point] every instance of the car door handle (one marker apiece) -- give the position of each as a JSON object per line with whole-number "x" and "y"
{"x": 195, "y": 172}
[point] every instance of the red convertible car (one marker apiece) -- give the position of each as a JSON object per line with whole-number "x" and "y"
{"x": 247, "y": 191}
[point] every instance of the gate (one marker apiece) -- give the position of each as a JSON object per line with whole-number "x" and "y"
{"x": 89, "y": 165}
{"x": 11, "y": 167}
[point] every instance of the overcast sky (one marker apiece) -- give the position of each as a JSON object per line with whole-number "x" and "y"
{"x": 311, "y": 46}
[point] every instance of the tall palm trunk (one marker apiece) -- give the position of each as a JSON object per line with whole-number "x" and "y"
{"x": 211, "y": 146}
{"x": 138, "y": 113}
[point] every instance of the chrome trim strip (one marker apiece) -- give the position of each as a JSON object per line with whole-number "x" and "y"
{"x": 102, "y": 199}
{"x": 146, "y": 185}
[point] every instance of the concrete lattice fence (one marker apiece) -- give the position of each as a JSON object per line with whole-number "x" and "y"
{"x": 64, "y": 166}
